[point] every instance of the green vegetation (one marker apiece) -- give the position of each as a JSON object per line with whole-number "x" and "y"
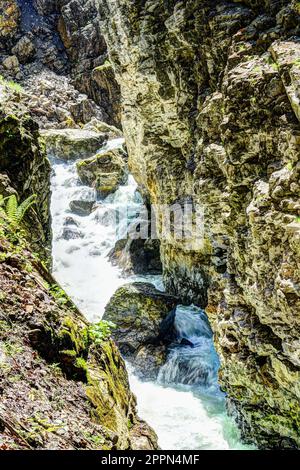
{"x": 60, "y": 295}
{"x": 14, "y": 212}
{"x": 12, "y": 85}
{"x": 100, "y": 331}
{"x": 106, "y": 65}
{"x": 12, "y": 349}
{"x": 94, "y": 439}
{"x": 297, "y": 62}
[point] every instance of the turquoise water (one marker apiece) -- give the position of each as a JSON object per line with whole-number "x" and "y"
{"x": 184, "y": 405}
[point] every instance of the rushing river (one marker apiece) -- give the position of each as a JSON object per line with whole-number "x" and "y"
{"x": 185, "y": 405}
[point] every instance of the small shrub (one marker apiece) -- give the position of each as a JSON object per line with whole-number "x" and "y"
{"x": 100, "y": 331}
{"x": 11, "y": 84}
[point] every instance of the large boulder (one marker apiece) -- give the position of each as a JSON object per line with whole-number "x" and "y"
{"x": 24, "y": 50}
{"x": 137, "y": 256}
{"x": 138, "y": 311}
{"x": 81, "y": 207}
{"x": 11, "y": 64}
{"x": 24, "y": 168}
{"x": 105, "y": 171}
{"x": 69, "y": 144}
{"x": 100, "y": 126}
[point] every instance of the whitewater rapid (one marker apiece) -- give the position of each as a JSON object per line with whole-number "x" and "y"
{"x": 185, "y": 405}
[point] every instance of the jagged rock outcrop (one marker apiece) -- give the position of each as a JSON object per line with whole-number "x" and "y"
{"x": 41, "y": 40}
{"x": 137, "y": 256}
{"x": 210, "y": 91}
{"x": 106, "y": 171}
{"x": 138, "y": 310}
{"x": 24, "y": 167}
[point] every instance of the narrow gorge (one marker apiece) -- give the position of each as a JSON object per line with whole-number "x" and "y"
{"x": 115, "y": 332}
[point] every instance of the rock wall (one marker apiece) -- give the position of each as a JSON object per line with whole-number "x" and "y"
{"x": 48, "y": 40}
{"x": 24, "y": 168}
{"x": 210, "y": 95}
{"x": 79, "y": 28}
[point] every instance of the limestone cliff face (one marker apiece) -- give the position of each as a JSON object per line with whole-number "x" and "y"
{"x": 210, "y": 95}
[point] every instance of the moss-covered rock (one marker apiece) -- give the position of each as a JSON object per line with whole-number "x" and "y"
{"x": 105, "y": 171}
{"x": 76, "y": 395}
{"x": 137, "y": 256}
{"x": 24, "y": 167}
{"x": 70, "y": 144}
{"x": 137, "y": 310}
{"x": 82, "y": 207}
{"x": 9, "y": 19}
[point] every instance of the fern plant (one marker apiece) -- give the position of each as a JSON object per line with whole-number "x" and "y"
{"x": 14, "y": 212}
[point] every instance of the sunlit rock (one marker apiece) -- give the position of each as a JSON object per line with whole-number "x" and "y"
{"x": 105, "y": 171}
{"x": 69, "y": 144}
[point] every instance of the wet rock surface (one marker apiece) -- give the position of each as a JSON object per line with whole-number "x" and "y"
{"x": 54, "y": 39}
{"x": 137, "y": 310}
{"x": 211, "y": 110}
{"x": 9, "y": 21}
{"x": 137, "y": 256}
{"x": 99, "y": 126}
{"x": 104, "y": 171}
{"x": 82, "y": 207}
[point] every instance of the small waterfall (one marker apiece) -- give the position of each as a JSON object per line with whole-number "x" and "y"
{"x": 185, "y": 405}
{"x": 80, "y": 262}
{"x": 193, "y": 360}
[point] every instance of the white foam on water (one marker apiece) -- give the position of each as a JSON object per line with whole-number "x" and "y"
{"x": 185, "y": 406}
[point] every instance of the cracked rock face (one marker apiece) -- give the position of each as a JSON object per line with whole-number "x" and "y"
{"x": 9, "y": 20}
{"x": 138, "y": 310}
{"x": 24, "y": 168}
{"x": 55, "y": 38}
{"x": 210, "y": 94}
